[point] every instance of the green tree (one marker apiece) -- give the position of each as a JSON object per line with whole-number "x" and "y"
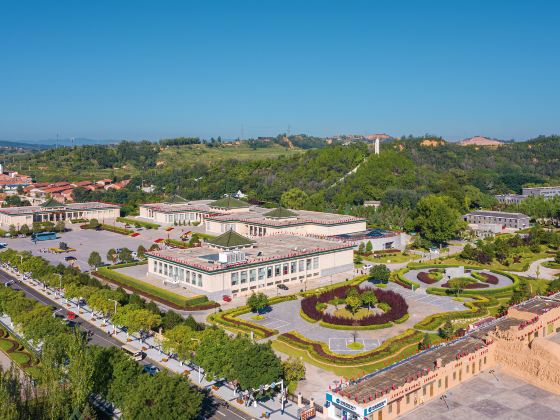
{"x": 257, "y": 302}
{"x": 102, "y": 301}
{"x": 112, "y": 255}
{"x": 369, "y": 298}
{"x": 94, "y": 260}
{"x": 12, "y": 230}
{"x": 211, "y": 354}
{"x": 426, "y": 342}
{"x": 557, "y": 258}
{"x": 125, "y": 255}
{"x": 369, "y": 247}
{"x": 446, "y": 331}
{"x": 162, "y": 396}
{"x": 294, "y": 199}
{"x": 380, "y": 273}
{"x": 353, "y": 302}
{"x": 60, "y": 226}
{"x": 438, "y": 219}
{"x": 293, "y": 369}
{"x": 141, "y": 251}
{"x": 181, "y": 340}
{"x": 93, "y": 223}
{"x": 136, "y": 319}
{"x": 24, "y": 230}
{"x": 361, "y": 248}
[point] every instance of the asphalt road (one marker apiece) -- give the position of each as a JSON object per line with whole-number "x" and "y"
{"x": 212, "y": 406}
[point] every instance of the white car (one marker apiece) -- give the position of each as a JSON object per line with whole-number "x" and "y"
{"x": 368, "y": 266}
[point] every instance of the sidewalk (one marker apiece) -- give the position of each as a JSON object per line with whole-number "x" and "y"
{"x": 154, "y": 353}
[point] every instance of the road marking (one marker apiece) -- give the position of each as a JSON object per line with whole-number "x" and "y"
{"x": 220, "y": 413}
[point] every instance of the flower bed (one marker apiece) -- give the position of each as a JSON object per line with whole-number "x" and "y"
{"x": 469, "y": 286}
{"x": 428, "y": 278}
{"x": 397, "y": 304}
{"x": 485, "y": 277}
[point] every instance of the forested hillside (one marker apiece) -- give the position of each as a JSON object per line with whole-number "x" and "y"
{"x": 406, "y": 170}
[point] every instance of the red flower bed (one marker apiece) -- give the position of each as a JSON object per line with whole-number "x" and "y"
{"x": 489, "y": 278}
{"x": 158, "y": 241}
{"x": 426, "y": 278}
{"x": 398, "y": 305}
{"x": 135, "y": 234}
{"x": 469, "y": 286}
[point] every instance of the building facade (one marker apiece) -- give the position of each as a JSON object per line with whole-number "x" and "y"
{"x": 399, "y": 389}
{"x": 234, "y": 264}
{"x": 53, "y": 211}
{"x": 546, "y": 192}
{"x": 508, "y": 220}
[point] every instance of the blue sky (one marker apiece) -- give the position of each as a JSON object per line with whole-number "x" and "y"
{"x": 153, "y": 69}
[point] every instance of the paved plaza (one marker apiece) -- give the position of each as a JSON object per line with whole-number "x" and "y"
{"x": 491, "y": 396}
{"x": 412, "y": 276}
{"x": 285, "y": 316}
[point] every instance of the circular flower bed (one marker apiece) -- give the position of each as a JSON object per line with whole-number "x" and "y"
{"x": 311, "y": 307}
{"x": 464, "y": 283}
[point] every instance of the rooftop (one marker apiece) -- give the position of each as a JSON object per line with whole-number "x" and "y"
{"x": 280, "y": 213}
{"x": 268, "y": 248}
{"x": 258, "y": 216}
{"x": 229, "y": 203}
{"x": 58, "y": 207}
{"x": 538, "y": 305}
{"x": 231, "y": 239}
{"x": 491, "y": 213}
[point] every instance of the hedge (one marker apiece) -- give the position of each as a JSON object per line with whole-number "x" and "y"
{"x": 306, "y": 318}
{"x": 492, "y": 291}
{"x": 356, "y": 327}
{"x": 135, "y": 222}
{"x": 320, "y": 351}
{"x": 402, "y": 280}
{"x": 129, "y": 264}
{"x": 153, "y": 292}
{"x": 352, "y": 282}
{"x": 116, "y": 229}
{"x": 176, "y": 243}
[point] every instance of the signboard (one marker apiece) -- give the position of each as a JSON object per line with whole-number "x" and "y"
{"x": 351, "y": 406}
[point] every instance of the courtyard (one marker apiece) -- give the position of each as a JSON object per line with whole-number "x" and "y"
{"x": 491, "y": 395}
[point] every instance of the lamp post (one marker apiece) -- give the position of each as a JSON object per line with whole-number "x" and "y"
{"x": 114, "y": 326}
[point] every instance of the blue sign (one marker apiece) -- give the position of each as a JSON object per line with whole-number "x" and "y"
{"x": 375, "y": 407}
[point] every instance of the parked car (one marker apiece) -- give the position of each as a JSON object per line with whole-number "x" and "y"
{"x": 282, "y": 286}
{"x": 226, "y": 298}
{"x": 151, "y": 369}
{"x": 367, "y": 266}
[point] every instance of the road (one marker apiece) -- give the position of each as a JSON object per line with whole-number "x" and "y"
{"x": 213, "y": 407}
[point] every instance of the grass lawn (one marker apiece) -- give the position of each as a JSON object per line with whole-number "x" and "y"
{"x": 355, "y": 346}
{"x": 345, "y": 313}
{"x": 552, "y": 264}
{"x": 391, "y": 259}
{"x": 5, "y": 344}
{"x": 522, "y": 265}
{"x": 257, "y": 317}
{"x": 20, "y": 357}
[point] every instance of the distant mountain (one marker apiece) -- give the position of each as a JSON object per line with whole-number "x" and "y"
{"x": 24, "y": 145}
{"x": 480, "y": 141}
{"x": 78, "y": 141}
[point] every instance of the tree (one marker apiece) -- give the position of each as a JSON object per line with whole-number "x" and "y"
{"x": 93, "y": 223}
{"x": 181, "y": 340}
{"x": 112, "y": 255}
{"x": 294, "y": 199}
{"x": 557, "y": 258}
{"x": 293, "y": 369}
{"x": 379, "y": 273}
{"x": 353, "y": 302}
{"x": 425, "y": 343}
{"x": 162, "y": 396}
{"x": 141, "y": 251}
{"x": 102, "y": 301}
{"x": 125, "y": 255}
{"x": 60, "y": 226}
{"x": 369, "y": 298}
{"x": 438, "y": 219}
{"x": 12, "y": 230}
{"x": 446, "y": 331}
{"x": 257, "y": 302}
{"x": 361, "y": 248}
{"x": 211, "y": 354}
{"x": 369, "y": 247}
{"x": 94, "y": 260}
{"x": 24, "y": 230}
{"x": 136, "y": 319}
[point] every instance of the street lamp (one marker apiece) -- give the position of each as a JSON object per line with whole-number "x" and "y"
{"x": 114, "y": 326}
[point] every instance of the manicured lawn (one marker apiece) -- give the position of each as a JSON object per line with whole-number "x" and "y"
{"x": 257, "y": 317}
{"x": 20, "y": 358}
{"x": 345, "y": 313}
{"x": 355, "y": 346}
{"x": 522, "y": 265}
{"x": 5, "y": 344}
{"x": 552, "y": 264}
{"x": 391, "y": 259}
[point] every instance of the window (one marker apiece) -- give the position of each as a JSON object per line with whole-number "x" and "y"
{"x": 308, "y": 264}
{"x": 234, "y": 278}
{"x": 269, "y": 272}
{"x": 243, "y": 277}
{"x": 454, "y": 375}
{"x": 439, "y": 383}
{"x": 262, "y": 273}
{"x": 301, "y": 265}
{"x": 252, "y": 275}
{"x": 293, "y": 267}
{"x": 285, "y": 269}
{"x": 200, "y": 280}
{"x": 408, "y": 398}
{"x": 188, "y": 276}
{"x": 277, "y": 270}
{"x": 315, "y": 263}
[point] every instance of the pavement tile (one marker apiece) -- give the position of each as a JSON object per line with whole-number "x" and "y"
{"x": 489, "y": 408}
{"x": 540, "y": 411}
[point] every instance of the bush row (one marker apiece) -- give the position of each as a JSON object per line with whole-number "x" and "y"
{"x": 135, "y": 222}
{"x": 155, "y": 293}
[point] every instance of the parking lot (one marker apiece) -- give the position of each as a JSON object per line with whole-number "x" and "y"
{"x": 84, "y": 241}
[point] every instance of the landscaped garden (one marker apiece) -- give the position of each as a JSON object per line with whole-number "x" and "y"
{"x": 353, "y": 307}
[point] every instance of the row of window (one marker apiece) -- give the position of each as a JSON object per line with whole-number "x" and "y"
{"x": 180, "y": 217}
{"x": 277, "y": 270}
{"x": 178, "y": 274}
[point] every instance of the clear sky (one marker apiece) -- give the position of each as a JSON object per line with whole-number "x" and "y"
{"x": 152, "y": 69}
